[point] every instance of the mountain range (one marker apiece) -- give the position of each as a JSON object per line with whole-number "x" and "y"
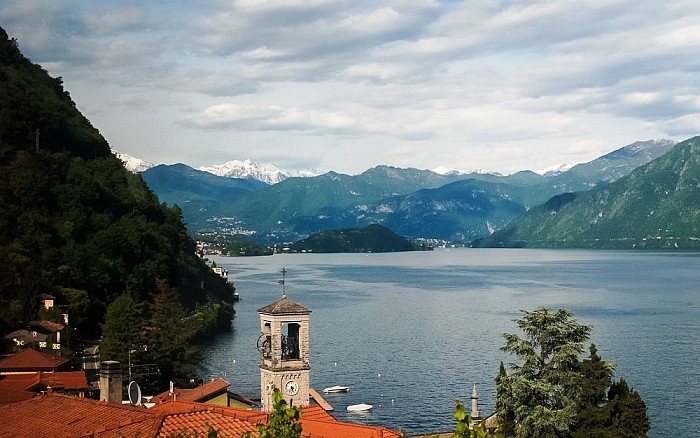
{"x": 415, "y": 203}
{"x": 656, "y": 206}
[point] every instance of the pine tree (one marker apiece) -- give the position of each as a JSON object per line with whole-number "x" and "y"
{"x": 593, "y": 415}
{"x": 544, "y": 387}
{"x": 169, "y": 334}
{"x": 122, "y": 329}
{"x": 628, "y": 412}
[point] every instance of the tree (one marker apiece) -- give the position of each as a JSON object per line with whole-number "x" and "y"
{"x": 122, "y": 329}
{"x": 628, "y": 411}
{"x": 553, "y": 394}
{"x": 169, "y": 336}
{"x": 282, "y": 423}
{"x": 504, "y": 407}
{"x": 541, "y": 393}
{"x": 593, "y": 414}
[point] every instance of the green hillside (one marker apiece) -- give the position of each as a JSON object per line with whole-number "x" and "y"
{"x": 73, "y": 222}
{"x": 655, "y": 206}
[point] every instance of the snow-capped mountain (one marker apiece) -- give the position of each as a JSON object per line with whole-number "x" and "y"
{"x": 265, "y": 172}
{"x": 133, "y": 164}
{"x": 446, "y": 171}
{"x": 556, "y": 169}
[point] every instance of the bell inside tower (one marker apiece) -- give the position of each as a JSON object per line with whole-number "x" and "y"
{"x": 290, "y": 341}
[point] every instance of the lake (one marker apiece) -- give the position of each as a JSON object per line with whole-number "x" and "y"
{"x": 411, "y": 332}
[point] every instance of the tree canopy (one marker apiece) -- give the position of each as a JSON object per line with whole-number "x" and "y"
{"x": 73, "y": 221}
{"x": 551, "y": 393}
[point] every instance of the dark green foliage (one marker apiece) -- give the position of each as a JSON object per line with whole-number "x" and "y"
{"x": 504, "y": 405}
{"x": 73, "y": 221}
{"x": 554, "y": 394}
{"x": 169, "y": 335}
{"x": 622, "y": 414}
{"x": 543, "y": 388}
{"x": 372, "y": 238}
{"x": 657, "y": 206}
{"x": 122, "y": 330}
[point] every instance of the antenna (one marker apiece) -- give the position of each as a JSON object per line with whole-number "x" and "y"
{"x": 284, "y": 273}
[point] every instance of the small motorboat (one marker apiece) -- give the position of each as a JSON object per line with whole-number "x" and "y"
{"x": 336, "y": 388}
{"x": 360, "y": 408}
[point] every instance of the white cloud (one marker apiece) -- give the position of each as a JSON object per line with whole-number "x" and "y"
{"x": 346, "y": 85}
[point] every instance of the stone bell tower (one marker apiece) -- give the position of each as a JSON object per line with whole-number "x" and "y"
{"x": 284, "y": 352}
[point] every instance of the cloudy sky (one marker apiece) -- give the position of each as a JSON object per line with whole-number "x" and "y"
{"x": 501, "y": 85}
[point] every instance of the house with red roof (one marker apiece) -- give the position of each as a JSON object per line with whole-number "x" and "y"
{"x": 30, "y": 361}
{"x": 69, "y": 382}
{"x": 213, "y": 392}
{"x": 59, "y": 416}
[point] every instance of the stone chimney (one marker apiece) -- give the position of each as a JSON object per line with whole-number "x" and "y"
{"x": 111, "y": 381}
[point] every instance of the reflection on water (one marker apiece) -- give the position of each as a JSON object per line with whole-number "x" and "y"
{"x": 411, "y": 332}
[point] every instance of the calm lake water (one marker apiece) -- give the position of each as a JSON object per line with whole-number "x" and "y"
{"x": 411, "y": 332}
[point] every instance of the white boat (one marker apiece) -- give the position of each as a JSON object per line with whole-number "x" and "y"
{"x": 336, "y": 389}
{"x": 360, "y": 408}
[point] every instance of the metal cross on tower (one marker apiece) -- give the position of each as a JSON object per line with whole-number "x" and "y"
{"x": 284, "y": 273}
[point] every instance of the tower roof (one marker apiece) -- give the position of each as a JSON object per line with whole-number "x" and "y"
{"x": 284, "y": 306}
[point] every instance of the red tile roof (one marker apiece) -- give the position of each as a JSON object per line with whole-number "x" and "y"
{"x": 59, "y": 416}
{"x": 338, "y": 429}
{"x": 64, "y": 416}
{"x": 32, "y": 360}
{"x": 39, "y": 381}
{"x": 11, "y": 396}
{"x": 200, "y": 393}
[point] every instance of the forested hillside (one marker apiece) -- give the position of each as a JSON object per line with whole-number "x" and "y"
{"x": 655, "y": 206}
{"x": 73, "y": 222}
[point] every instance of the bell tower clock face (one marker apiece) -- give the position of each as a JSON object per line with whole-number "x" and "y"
{"x": 291, "y": 387}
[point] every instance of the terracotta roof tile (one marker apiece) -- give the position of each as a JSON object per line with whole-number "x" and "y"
{"x": 41, "y": 380}
{"x": 338, "y": 429}
{"x": 63, "y": 416}
{"x": 32, "y": 360}
{"x": 200, "y": 393}
{"x": 316, "y": 412}
{"x": 58, "y": 416}
{"x": 199, "y": 422}
{"x": 180, "y": 407}
{"x": 11, "y": 396}
{"x": 284, "y": 306}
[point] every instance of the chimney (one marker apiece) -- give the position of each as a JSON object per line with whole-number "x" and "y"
{"x": 111, "y": 381}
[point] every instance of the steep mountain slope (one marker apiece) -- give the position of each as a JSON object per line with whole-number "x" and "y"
{"x": 458, "y": 211}
{"x": 73, "y": 221}
{"x": 199, "y": 194}
{"x": 655, "y": 206}
{"x": 612, "y": 166}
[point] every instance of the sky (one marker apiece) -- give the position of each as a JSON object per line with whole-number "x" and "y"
{"x": 497, "y": 85}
